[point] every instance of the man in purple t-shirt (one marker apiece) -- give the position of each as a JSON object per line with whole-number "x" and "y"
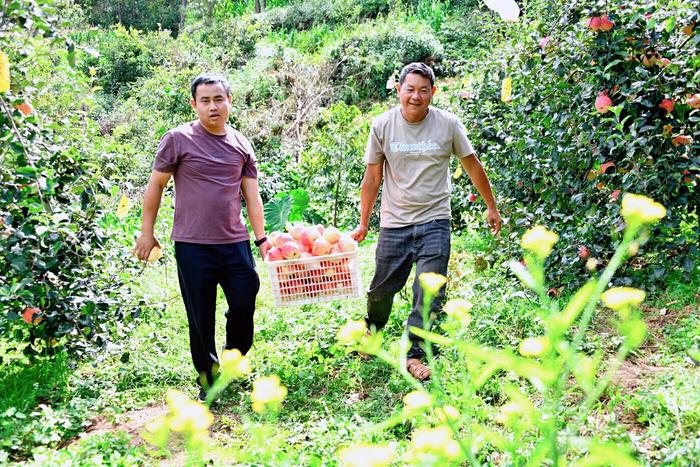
{"x": 212, "y": 165}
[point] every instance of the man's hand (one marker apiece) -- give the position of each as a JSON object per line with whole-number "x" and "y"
{"x": 493, "y": 217}
{"x": 359, "y": 233}
{"x": 144, "y": 245}
{"x": 264, "y": 248}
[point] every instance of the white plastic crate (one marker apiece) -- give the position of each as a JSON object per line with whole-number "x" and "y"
{"x": 316, "y": 279}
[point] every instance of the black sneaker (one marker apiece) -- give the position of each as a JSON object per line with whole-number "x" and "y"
{"x": 202, "y": 395}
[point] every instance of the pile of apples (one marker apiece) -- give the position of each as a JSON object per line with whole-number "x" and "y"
{"x": 310, "y": 269}
{"x": 302, "y": 241}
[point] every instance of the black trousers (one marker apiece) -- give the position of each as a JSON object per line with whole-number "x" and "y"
{"x": 200, "y": 269}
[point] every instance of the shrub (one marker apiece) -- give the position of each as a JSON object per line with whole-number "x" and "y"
{"x": 305, "y": 15}
{"x": 365, "y": 61}
{"x": 122, "y": 58}
{"x": 59, "y": 252}
{"x": 144, "y": 15}
{"x": 555, "y": 159}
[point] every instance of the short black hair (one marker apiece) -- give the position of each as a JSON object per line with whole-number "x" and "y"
{"x": 210, "y": 78}
{"x": 418, "y": 68}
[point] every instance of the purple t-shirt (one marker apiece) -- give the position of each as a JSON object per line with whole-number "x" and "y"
{"x": 208, "y": 170}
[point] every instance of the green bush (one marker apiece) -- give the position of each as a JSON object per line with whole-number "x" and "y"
{"x": 59, "y": 251}
{"x": 144, "y": 15}
{"x": 123, "y": 57}
{"x": 555, "y": 160}
{"x": 365, "y": 61}
{"x": 305, "y": 15}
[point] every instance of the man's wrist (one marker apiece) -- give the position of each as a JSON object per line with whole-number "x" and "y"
{"x": 260, "y": 241}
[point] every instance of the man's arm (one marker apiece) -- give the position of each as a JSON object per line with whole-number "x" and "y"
{"x": 368, "y": 196}
{"x": 151, "y": 204}
{"x": 478, "y": 176}
{"x": 256, "y": 213}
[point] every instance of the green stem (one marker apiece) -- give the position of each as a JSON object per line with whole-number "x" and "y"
{"x": 601, "y": 285}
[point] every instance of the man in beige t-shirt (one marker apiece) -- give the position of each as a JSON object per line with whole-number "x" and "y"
{"x": 409, "y": 148}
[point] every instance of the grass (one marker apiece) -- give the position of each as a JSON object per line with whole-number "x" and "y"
{"x": 334, "y": 398}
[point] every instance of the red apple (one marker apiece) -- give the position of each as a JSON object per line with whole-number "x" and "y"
{"x": 605, "y": 23}
{"x": 594, "y": 23}
{"x": 274, "y": 254}
{"x": 693, "y": 101}
{"x": 347, "y": 243}
{"x": 472, "y": 197}
{"x": 681, "y": 140}
{"x": 332, "y": 234}
{"x": 667, "y": 105}
{"x": 25, "y": 108}
{"x": 29, "y": 315}
{"x": 307, "y": 237}
{"x": 602, "y": 103}
{"x": 282, "y": 238}
{"x": 295, "y": 231}
{"x": 321, "y": 247}
{"x": 584, "y": 252}
{"x": 291, "y": 250}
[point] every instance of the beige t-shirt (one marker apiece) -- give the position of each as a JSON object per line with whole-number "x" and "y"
{"x": 416, "y": 158}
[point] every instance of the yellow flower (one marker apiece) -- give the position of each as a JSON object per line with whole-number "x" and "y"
{"x": 458, "y": 310}
{"x": 506, "y": 89}
{"x": 267, "y": 391}
{"x": 432, "y": 282}
{"x": 539, "y": 240}
{"x": 621, "y": 297}
{"x": 366, "y": 455}
{"x": 447, "y": 412}
{"x": 234, "y": 364}
{"x": 352, "y": 332}
{"x": 123, "y": 207}
{"x": 4, "y": 72}
{"x": 534, "y": 346}
{"x": 641, "y": 209}
{"x": 417, "y": 400}
{"x": 516, "y": 411}
{"x": 187, "y": 415}
{"x": 436, "y": 441}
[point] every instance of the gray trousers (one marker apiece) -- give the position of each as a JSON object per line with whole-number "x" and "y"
{"x": 426, "y": 245}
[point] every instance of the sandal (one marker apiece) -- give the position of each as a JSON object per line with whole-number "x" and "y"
{"x": 418, "y": 369}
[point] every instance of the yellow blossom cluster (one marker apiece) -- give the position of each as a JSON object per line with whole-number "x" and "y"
{"x": 352, "y": 332}
{"x": 539, "y": 240}
{"x": 432, "y": 282}
{"x": 433, "y": 442}
{"x": 366, "y": 455}
{"x": 268, "y": 392}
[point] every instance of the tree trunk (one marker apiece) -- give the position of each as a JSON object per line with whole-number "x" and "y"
{"x": 257, "y": 6}
{"x": 183, "y": 9}
{"x": 263, "y": 5}
{"x": 210, "y": 11}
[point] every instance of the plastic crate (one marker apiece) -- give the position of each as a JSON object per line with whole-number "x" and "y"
{"x": 316, "y": 279}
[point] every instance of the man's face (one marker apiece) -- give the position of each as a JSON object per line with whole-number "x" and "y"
{"x": 212, "y": 105}
{"x": 415, "y": 95}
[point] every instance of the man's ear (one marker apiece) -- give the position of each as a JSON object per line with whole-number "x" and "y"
{"x": 230, "y": 98}
{"x": 193, "y": 103}
{"x": 398, "y": 88}
{"x": 434, "y": 90}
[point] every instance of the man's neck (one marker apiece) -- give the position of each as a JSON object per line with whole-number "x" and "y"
{"x": 414, "y": 119}
{"x": 219, "y": 130}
